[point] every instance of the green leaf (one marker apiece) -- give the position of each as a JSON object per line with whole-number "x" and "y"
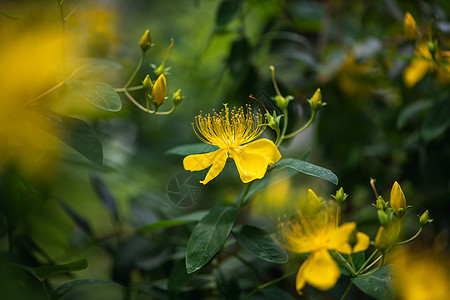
{"x": 227, "y": 11}
{"x": 189, "y": 218}
{"x": 77, "y": 134}
{"x": 189, "y": 149}
{"x": 437, "y": 120}
{"x": 85, "y": 68}
{"x": 100, "y": 94}
{"x": 306, "y": 168}
{"x": 178, "y": 279}
{"x": 377, "y": 285}
{"x": 208, "y": 236}
{"x": 260, "y": 243}
{"x": 75, "y": 284}
{"x": 46, "y": 271}
{"x": 409, "y": 112}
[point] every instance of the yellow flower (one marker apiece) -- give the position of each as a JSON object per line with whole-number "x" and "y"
{"x": 422, "y": 63}
{"x": 233, "y": 132}
{"x": 398, "y": 200}
{"x": 421, "y": 275}
{"x": 409, "y": 26}
{"x": 317, "y": 234}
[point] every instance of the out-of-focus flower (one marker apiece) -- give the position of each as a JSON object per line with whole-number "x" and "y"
{"x": 409, "y": 27}
{"x": 421, "y": 275}
{"x": 234, "y": 133}
{"x": 398, "y": 200}
{"x": 356, "y": 78}
{"x": 423, "y": 63}
{"x": 317, "y": 234}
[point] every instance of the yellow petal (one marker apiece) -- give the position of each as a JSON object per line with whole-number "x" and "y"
{"x": 300, "y": 279}
{"x": 264, "y": 147}
{"x": 339, "y": 239}
{"x": 415, "y": 71}
{"x": 322, "y": 271}
{"x": 253, "y": 159}
{"x": 197, "y": 162}
{"x": 363, "y": 241}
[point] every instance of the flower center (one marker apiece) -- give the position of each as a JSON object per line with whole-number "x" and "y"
{"x": 229, "y": 129}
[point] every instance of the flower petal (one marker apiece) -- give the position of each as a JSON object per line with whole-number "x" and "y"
{"x": 253, "y": 159}
{"x": 322, "y": 271}
{"x": 363, "y": 241}
{"x": 264, "y": 147}
{"x": 300, "y": 279}
{"x": 339, "y": 239}
{"x": 197, "y": 162}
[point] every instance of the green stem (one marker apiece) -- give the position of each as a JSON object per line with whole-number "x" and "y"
{"x": 275, "y": 85}
{"x": 345, "y": 262}
{"x": 144, "y": 109}
{"x": 267, "y": 284}
{"x": 44, "y": 93}
{"x": 247, "y": 189}
{"x": 131, "y": 88}
{"x": 412, "y": 238}
{"x": 138, "y": 67}
{"x": 311, "y": 119}
{"x": 349, "y": 287}
{"x": 281, "y": 137}
{"x": 367, "y": 262}
{"x": 377, "y": 268}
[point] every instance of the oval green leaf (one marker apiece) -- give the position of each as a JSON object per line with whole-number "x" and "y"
{"x": 260, "y": 244}
{"x": 100, "y": 94}
{"x": 208, "y": 236}
{"x": 46, "y": 271}
{"x": 75, "y": 284}
{"x": 377, "y": 285}
{"x": 306, "y": 168}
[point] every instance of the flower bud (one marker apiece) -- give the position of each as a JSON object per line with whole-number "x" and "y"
{"x": 409, "y": 27}
{"x": 340, "y": 196}
{"x": 316, "y": 100}
{"x": 159, "y": 91}
{"x": 146, "y": 41}
{"x": 177, "y": 97}
{"x": 398, "y": 201}
{"x": 381, "y": 204}
{"x": 273, "y": 120}
{"x": 382, "y": 241}
{"x": 384, "y": 218}
{"x": 432, "y": 47}
{"x": 147, "y": 83}
{"x": 313, "y": 205}
{"x": 425, "y": 219}
{"x": 281, "y": 102}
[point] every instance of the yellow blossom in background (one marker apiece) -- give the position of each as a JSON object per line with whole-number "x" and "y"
{"x": 422, "y": 63}
{"x": 275, "y": 200}
{"x": 355, "y": 78}
{"x": 234, "y": 133}
{"x": 421, "y": 275}
{"x": 409, "y": 26}
{"x": 317, "y": 234}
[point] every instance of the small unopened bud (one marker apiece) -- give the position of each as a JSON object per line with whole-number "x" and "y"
{"x": 177, "y": 97}
{"x": 281, "y": 101}
{"x": 316, "y": 100}
{"x": 340, "y": 196}
{"x": 381, "y": 204}
{"x": 409, "y": 27}
{"x": 398, "y": 201}
{"x": 159, "y": 91}
{"x": 384, "y": 218}
{"x": 146, "y": 41}
{"x": 382, "y": 241}
{"x": 432, "y": 47}
{"x": 147, "y": 83}
{"x": 273, "y": 120}
{"x": 425, "y": 219}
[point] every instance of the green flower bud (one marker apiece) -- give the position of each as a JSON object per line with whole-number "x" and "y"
{"x": 381, "y": 204}
{"x": 382, "y": 241}
{"x": 384, "y": 218}
{"x": 409, "y": 27}
{"x": 177, "y": 97}
{"x": 425, "y": 219}
{"x": 340, "y": 196}
{"x": 273, "y": 120}
{"x": 432, "y": 47}
{"x": 398, "y": 201}
{"x": 147, "y": 83}
{"x": 316, "y": 100}
{"x": 146, "y": 41}
{"x": 159, "y": 91}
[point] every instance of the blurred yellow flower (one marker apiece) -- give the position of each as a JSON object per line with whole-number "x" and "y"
{"x": 317, "y": 234}
{"x": 422, "y": 63}
{"x": 422, "y": 275}
{"x": 409, "y": 26}
{"x": 233, "y": 132}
